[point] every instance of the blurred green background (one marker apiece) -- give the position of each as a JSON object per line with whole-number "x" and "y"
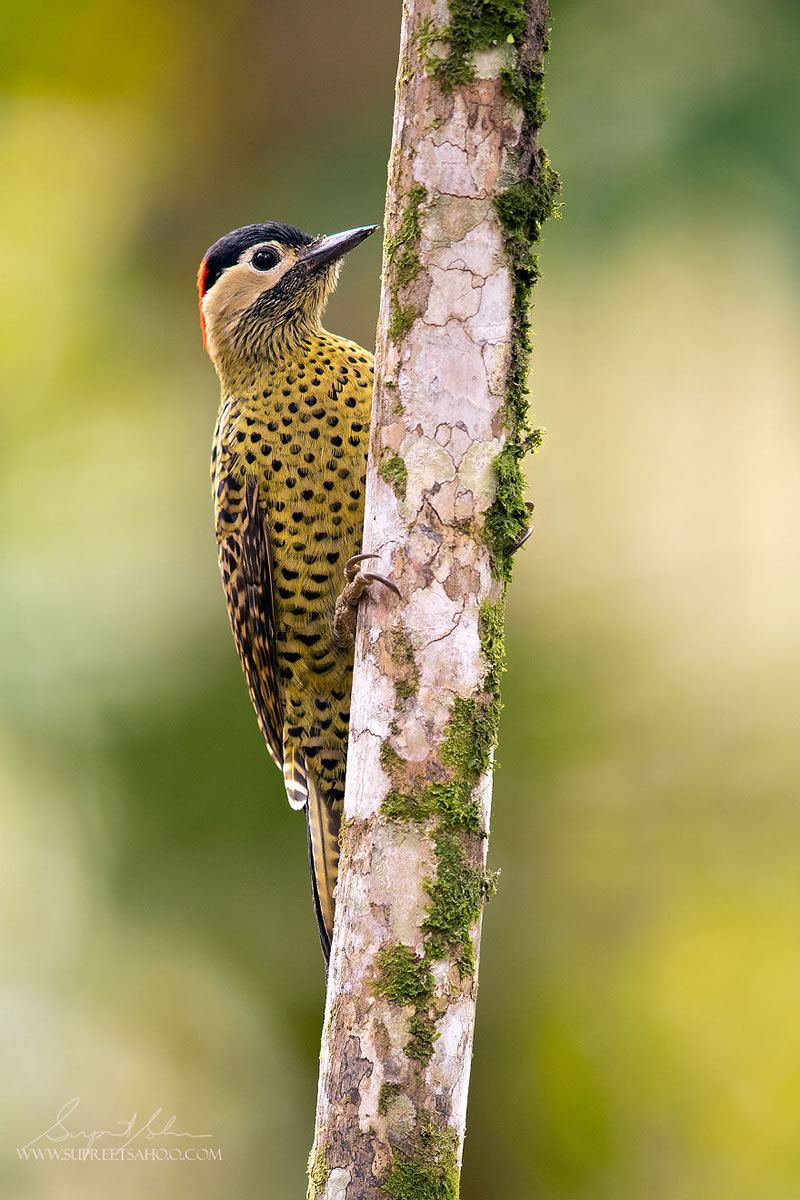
{"x": 640, "y": 982}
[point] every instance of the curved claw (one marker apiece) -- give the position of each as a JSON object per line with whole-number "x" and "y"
{"x": 521, "y": 541}
{"x": 381, "y": 579}
{"x": 351, "y": 566}
{"x": 526, "y": 533}
{"x": 357, "y": 558}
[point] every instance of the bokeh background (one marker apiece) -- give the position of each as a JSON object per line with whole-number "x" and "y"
{"x": 638, "y": 1025}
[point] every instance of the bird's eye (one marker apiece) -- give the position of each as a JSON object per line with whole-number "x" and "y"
{"x": 265, "y": 259}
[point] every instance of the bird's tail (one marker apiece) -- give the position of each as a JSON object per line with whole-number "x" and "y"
{"x": 323, "y": 807}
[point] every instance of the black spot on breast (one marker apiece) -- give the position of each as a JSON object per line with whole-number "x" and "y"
{"x": 289, "y": 574}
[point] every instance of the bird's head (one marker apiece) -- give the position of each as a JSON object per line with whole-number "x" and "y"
{"x": 263, "y": 287}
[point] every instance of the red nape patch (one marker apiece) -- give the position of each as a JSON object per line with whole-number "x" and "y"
{"x": 201, "y": 291}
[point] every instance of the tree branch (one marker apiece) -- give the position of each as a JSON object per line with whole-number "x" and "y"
{"x": 468, "y": 191}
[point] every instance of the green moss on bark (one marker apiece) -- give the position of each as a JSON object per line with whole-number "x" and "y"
{"x": 388, "y": 1092}
{"x": 470, "y": 737}
{"x": 401, "y": 976}
{"x": 451, "y": 803}
{"x": 428, "y": 1168}
{"x": 403, "y": 264}
{"x": 393, "y": 470}
{"x": 522, "y": 208}
{"x": 422, "y": 1036}
{"x": 318, "y": 1171}
{"x": 525, "y": 86}
{"x": 390, "y": 759}
{"x": 473, "y": 25}
{"x": 456, "y": 895}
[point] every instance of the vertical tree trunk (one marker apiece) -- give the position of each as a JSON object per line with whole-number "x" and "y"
{"x": 468, "y": 191}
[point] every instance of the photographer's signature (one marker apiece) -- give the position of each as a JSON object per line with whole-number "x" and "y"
{"x": 130, "y": 1129}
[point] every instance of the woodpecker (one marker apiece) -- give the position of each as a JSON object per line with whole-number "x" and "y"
{"x": 288, "y": 469}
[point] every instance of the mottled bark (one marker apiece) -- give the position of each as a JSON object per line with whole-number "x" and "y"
{"x": 400, "y": 1012}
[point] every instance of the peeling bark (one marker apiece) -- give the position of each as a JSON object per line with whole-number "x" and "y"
{"x": 400, "y": 1012}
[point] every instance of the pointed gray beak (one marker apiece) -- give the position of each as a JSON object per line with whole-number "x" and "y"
{"x": 333, "y": 247}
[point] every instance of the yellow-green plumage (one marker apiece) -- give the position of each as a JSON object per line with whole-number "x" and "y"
{"x": 288, "y": 473}
{"x": 288, "y": 463}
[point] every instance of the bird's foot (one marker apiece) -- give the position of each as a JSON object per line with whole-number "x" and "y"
{"x": 346, "y": 609}
{"x": 520, "y": 542}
